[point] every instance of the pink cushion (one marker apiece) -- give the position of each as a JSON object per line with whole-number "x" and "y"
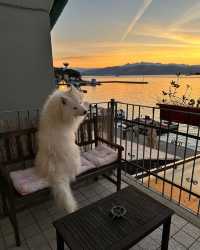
{"x": 85, "y": 165}
{"x": 27, "y": 181}
{"x": 101, "y": 155}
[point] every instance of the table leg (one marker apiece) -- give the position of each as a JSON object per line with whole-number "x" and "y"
{"x": 60, "y": 242}
{"x": 165, "y": 234}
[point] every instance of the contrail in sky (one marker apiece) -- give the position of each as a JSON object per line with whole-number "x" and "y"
{"x": 190, "y": 15}
{"x": 136, "y": 18}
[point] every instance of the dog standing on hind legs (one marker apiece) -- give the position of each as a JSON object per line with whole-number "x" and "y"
{"x": 58, "y": 157}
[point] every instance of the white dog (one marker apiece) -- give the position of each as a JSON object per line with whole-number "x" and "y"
{"x": 58, "y": 157}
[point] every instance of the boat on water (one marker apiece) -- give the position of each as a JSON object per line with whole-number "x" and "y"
{"x": 141, "y": 125}
{"x": 93, "y": 82}
{"x": 162, "y": 127}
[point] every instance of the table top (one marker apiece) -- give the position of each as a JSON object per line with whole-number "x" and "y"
{"x": 92, "y": 227}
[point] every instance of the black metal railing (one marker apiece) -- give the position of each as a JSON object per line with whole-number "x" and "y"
{"x": 161, "y": 155}
{"x": 164, "y": 156}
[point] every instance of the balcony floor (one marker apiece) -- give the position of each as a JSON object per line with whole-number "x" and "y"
{"x": 37, "y": 231}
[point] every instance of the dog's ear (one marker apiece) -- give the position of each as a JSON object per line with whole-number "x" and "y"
{"x": 73, "y": 89}
{"x": 63, "y": 100}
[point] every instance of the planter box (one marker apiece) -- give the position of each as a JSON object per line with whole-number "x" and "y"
{"x": 181, "y": 114}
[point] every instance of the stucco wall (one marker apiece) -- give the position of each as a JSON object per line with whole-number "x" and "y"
{"x": 38, "y": 4}
{"x": 26, "y": 73}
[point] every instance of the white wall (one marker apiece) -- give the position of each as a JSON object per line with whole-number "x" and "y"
{"x": 26, "y": 73}
{"x": 37, "y": 4}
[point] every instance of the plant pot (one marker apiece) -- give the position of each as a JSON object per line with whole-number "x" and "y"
{"x": 180, "y": 114}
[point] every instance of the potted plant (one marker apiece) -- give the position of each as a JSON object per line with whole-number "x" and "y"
{"x": 182, "y": 109}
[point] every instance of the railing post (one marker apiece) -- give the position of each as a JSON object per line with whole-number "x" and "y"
{"x": 112, "y": 119}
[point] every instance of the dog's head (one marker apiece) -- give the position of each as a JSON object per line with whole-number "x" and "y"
{"x": 72, "y": 102}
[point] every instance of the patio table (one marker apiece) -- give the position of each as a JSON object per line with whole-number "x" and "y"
{"x": 95, "y": 228}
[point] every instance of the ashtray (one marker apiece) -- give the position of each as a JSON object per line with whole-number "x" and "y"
{"x": 118, "y": 211}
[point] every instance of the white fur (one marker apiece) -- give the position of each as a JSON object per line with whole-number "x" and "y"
{"x": 58, "y": 157}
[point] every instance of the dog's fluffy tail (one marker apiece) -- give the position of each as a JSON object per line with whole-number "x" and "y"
{"x": 63, "y": 195}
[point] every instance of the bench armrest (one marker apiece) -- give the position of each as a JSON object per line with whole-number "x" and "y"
{"x": 113, "y": 145}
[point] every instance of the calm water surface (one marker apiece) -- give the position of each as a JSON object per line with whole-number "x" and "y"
{"x": 148, "y": 94}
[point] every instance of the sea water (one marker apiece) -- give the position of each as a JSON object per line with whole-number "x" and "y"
{"x": 145, "y": 94}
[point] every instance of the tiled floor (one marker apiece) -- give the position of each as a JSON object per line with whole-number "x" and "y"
{"x": 37, "y": 232}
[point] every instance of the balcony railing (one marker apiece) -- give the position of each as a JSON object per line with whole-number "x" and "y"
{"x": 162, "y": 156}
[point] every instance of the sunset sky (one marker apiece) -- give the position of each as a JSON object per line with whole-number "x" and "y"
{"x": 100, "y": 33}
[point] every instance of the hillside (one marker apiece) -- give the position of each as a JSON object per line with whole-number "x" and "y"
{"x": 144, "y": 68}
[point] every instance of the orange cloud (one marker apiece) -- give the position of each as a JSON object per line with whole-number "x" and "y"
{"x": 187, "y": 55}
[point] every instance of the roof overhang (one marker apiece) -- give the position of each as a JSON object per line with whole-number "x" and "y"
{"x": 56, "y": 10}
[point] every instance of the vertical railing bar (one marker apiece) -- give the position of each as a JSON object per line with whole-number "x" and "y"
{"x": 158, "y": 149}
{"x": 98, "y": 121}
{"x": 115, "y": 121}
{"x": 183, "y": 169}
{"x": 166, "y": 154}
{"x": 153, "y": 122}
{"x": 143, "y": 153}
{"x": 127, "y": 108}
{"x": 132, "y": 132}
{"x": 138, "y": 137}
{"x": 91, "y": 119}
{"x": 195, "y": 153}
{"x": 132, "y": 117}
{"x": 173, "y": 171}
{"x": 112, "y": 119}
{"x": 105, "y": 121}
{"x": 121, "y": 127}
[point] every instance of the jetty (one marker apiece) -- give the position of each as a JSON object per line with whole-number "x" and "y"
{"x": 119, "y": 81}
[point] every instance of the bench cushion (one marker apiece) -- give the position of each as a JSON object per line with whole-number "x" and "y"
{"x": 85, "y": 165}
{"x": 27, "y": 181}
{"x": 101, "y": 155}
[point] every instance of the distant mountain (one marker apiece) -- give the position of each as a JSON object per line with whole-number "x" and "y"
{"x": 81, "y": 70}
{"x": 144, "y": 68}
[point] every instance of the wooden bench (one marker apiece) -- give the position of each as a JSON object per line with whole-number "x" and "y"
{"x": 18, "y": 150}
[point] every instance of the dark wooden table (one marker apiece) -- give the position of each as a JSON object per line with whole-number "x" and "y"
{"x": 92, "y": 227}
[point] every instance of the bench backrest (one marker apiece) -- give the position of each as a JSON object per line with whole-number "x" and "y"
{"x": 20, "y": 146}
{"x": 87, "y": 133}
{"x": 17, "y": 146}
